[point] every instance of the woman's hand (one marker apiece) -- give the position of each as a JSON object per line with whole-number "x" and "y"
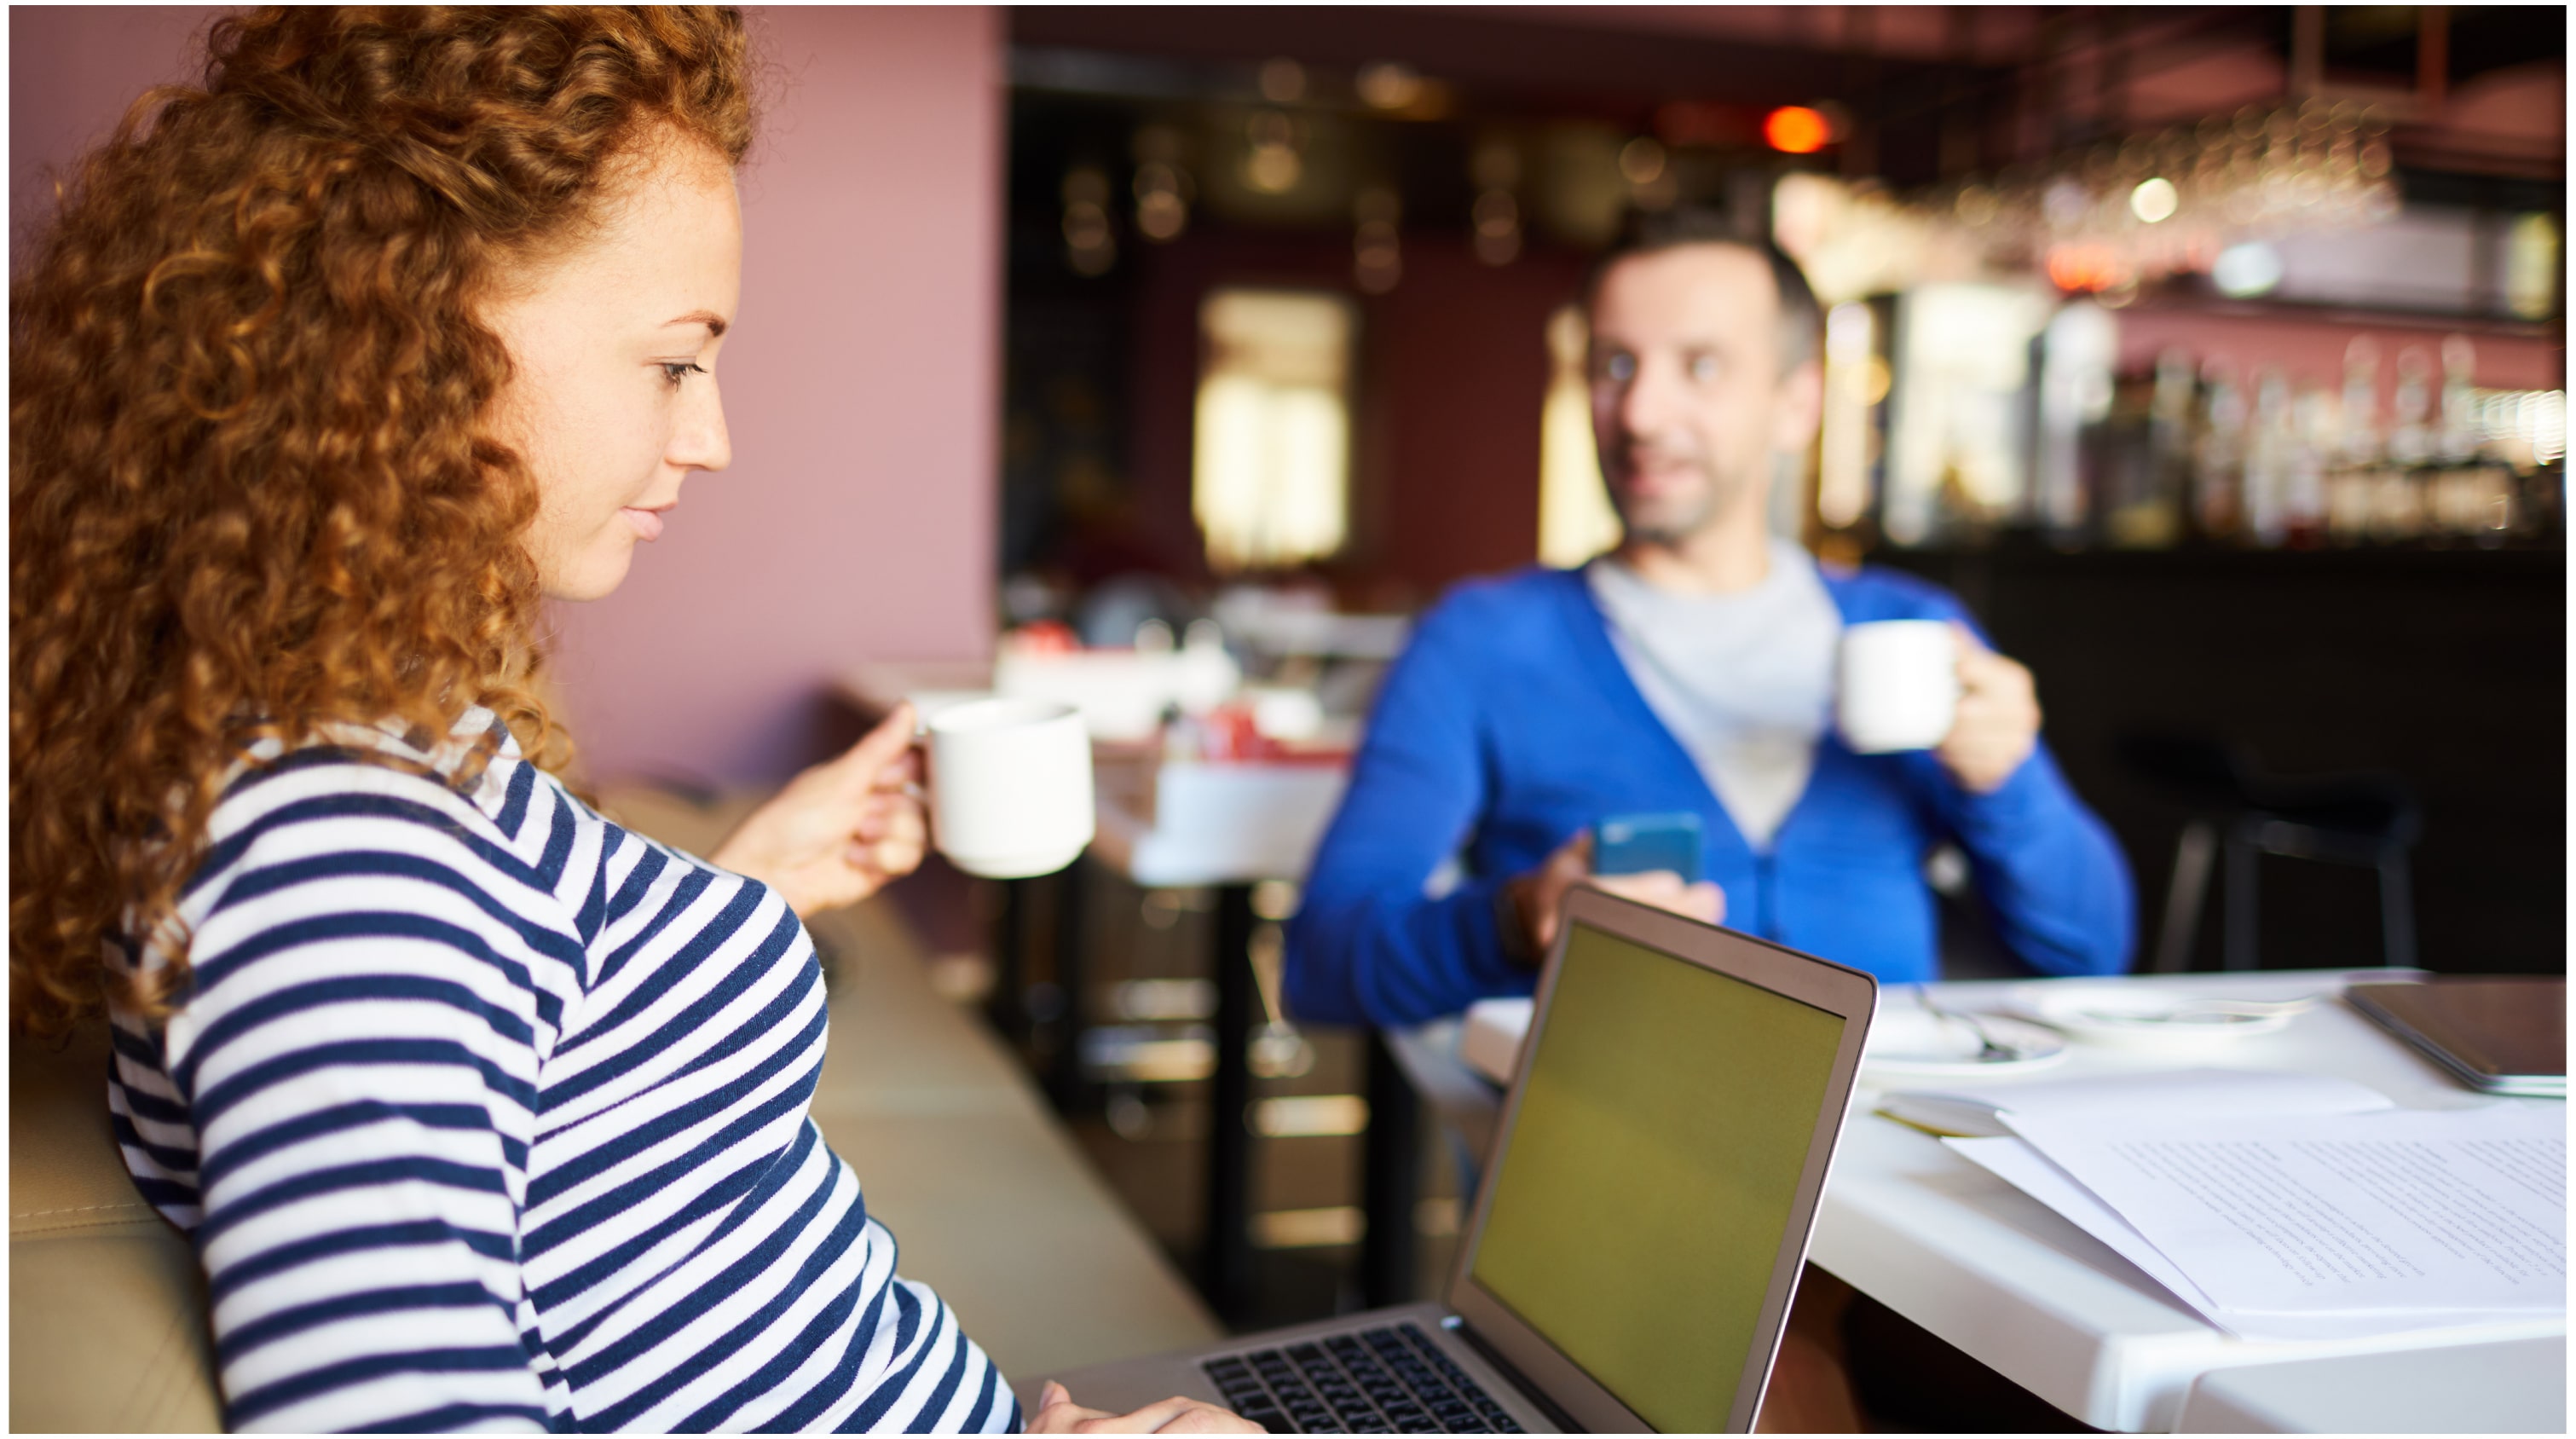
{"x": 839, "y": 831}
{"x": 1058, "y": 1414}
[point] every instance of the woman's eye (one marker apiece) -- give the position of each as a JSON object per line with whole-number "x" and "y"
{"x": 1703, "y": 368}
{"x": 677, "y": 370}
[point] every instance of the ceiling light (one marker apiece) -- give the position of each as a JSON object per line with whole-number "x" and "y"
{"x": 1796, "y": 130}
{"x": 1388, "y": 85}
{"x": 2246, "y": 270}
{"x": 2154, "y": 200}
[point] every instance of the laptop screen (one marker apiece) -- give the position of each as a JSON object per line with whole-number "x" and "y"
{"x": 1643, "y": 1198}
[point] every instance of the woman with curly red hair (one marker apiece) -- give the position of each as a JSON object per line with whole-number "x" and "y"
{"x": 479, "y": 1109}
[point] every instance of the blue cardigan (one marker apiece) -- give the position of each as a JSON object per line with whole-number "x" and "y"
{"x": 1510, "y": 723}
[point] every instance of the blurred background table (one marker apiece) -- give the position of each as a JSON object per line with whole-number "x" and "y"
{"x": 1230, "y": 827}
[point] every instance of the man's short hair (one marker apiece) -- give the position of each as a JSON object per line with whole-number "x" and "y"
{"x": 1649, "y": 232}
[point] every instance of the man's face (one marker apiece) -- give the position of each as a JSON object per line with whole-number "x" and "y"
{"x": 1688, "y": 399}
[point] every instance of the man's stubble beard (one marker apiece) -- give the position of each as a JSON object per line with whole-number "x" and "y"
{"x": 1717, "y": 496}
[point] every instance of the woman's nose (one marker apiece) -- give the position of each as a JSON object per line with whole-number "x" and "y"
{"x": 702, "y": 442}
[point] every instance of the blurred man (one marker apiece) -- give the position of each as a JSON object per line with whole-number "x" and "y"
{"x": 1689, "y": 670}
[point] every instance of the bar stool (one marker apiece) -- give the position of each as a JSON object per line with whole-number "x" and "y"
{"x": 2365, "y": 819}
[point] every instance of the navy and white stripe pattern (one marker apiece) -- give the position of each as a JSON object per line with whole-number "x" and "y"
{"x": 486, "y": 1113}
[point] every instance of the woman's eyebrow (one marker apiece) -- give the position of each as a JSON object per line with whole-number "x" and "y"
{"x": 714, "y": 322}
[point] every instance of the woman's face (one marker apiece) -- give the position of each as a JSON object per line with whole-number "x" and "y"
{"x": 614, "y": 403}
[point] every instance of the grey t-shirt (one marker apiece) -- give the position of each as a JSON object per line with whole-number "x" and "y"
{"x": 1745, "y": 681}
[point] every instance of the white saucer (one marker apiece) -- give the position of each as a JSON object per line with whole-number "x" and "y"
{"x": 1904, "y": 1040}
{"x": 2133, "y": 1016}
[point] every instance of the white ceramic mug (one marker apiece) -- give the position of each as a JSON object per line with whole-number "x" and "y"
{"x": 1898, "y": 685}
{"x": 1010, "y": 786}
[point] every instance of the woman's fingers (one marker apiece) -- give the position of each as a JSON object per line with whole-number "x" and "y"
{"x": 890, "y": 816}
{"x": 892, "y": 837}
{"x": 1208, "y": 1419}
{"x": 1058, "y": 1414}
{"x": 1175, "y": 1415}
{"x": 888, "y": 746}
{"x": 903, "y": 772}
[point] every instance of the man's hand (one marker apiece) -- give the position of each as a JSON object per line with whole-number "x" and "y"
{"x": 1540, "y": 894}
{"x": 1058, "y": 1414}
{"x": 1998, "y": 723}
{"x": 841, "y": 830}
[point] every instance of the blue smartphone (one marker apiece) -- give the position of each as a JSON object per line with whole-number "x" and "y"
{"x": 1640, "y": 843}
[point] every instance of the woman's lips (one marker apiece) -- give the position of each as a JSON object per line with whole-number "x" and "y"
{"x": 647, "y": 523}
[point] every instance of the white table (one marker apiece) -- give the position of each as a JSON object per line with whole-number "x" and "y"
{"x": 2024, "y": 1291}
{"x": 1217, "y": 822}
{"x": 2514, "y": 1386}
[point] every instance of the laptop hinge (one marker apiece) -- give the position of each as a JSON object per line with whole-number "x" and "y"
{"x": 1528, "y": 1394}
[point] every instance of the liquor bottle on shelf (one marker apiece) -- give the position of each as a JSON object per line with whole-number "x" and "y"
{"x": 2398, "y": 511}
{"x": 2362, "y": 449}
{"x": 2218, "y": 456}
{"x": 2475, "y": 495}
{"x": 2268, "y": 447}
{"x": 2131, "y": 455}
{"x": 2314, "y": 432}
{"x": 2154, "y": 519}
{"x": 2460, "y": 434}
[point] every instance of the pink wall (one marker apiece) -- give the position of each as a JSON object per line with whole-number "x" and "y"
{"x": 862, "y": 385}
{"x": 72, "y": 71}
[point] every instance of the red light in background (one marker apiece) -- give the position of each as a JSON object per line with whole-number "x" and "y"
{"x": 1796, "y": 130}
{"x": 2083, "y": 269}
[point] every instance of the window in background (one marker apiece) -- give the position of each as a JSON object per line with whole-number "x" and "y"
{"x": 1575, "y": 521}
{"x": 1856, "y": 379}
{"x": 2532, "y": 268}
{"x": 1955, "y": 437}
{"x": 1270, "y": 476}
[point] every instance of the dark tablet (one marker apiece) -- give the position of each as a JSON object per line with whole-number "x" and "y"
{"x": 2503, "y": 1036}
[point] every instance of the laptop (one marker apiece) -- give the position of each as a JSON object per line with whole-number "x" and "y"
{"x": 1641, "y": 1223}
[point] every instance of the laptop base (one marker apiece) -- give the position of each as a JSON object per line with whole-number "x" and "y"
{"x": 1130, "y": 1384}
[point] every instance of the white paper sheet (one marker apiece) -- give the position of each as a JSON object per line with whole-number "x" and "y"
{"x": 2223, "y": 1093}
{"x": 2026, "y": 1169}
{"x": 2396, "y": 1211}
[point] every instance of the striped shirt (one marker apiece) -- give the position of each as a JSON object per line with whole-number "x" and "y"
{"x": 483, "y": 1112}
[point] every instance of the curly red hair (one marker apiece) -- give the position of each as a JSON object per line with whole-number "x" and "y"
{"x": 253, "y": 488}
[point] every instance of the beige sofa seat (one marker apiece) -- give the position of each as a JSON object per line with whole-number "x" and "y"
{"x": 989, "y": 1200}
{"x": 107, "y": 1308}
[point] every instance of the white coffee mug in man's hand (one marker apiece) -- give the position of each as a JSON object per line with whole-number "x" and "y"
{"x": 1010, "y": 786}
{"x": 1898, "y": 685}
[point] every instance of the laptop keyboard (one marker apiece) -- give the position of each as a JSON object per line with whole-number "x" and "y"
{"x": 1392, "y": 1380}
